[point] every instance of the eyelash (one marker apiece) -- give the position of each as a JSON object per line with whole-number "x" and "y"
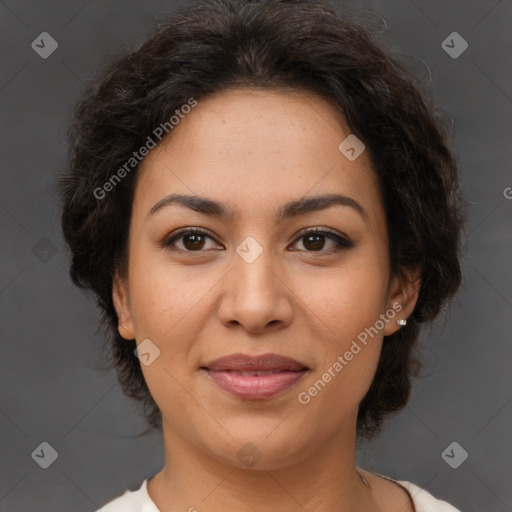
{"x": 341, "y": 242}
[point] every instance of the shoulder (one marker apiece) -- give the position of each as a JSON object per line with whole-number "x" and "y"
{"x": 424, "y": 501}
{"x": 418, "y": 499}
{"x": 131, "y": 501}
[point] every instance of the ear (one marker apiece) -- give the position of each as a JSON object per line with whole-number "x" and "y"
{"x": 121, "y": 299}
{"x": 402, "y": 297}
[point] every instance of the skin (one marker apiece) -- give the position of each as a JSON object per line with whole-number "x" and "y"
{"x": 254, "y": 150}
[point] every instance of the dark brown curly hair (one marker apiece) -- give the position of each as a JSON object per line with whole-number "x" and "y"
{"x": 304, "y": 45}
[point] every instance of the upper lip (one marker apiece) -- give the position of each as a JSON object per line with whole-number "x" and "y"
{"x": 262, "y": 362}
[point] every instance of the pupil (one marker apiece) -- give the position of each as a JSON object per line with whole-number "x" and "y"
{"x": 319, "y": 242}
{"x": 193, "y": 244}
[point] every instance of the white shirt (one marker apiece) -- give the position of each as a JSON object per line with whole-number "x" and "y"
{"x": 139, "y": 500}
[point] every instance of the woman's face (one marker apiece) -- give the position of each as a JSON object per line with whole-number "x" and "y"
{"x": 256, "y": 285}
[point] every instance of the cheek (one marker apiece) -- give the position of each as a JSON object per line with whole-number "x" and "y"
{"x": 348, "y": 304}
{"x": 170, "y": 307}
{"x": 348, "y": 357}
{"x": 350, "y": 297}
{"x": 163, "y": 295}
{"x": 165, "y": 309}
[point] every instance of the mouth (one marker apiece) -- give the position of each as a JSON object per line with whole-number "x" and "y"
{"x": 255, "y": 377}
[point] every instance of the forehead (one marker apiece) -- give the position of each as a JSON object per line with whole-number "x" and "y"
{"x": 255, "y": 149}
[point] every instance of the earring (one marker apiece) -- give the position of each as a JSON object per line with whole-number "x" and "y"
{"x": 401, "y": 322}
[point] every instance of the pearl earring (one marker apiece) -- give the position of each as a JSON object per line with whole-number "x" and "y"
{"x": 401, "y": 322}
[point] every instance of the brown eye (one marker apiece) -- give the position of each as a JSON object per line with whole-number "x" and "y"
{"x": 192, "y": 240}
{"x": 314, "y": 240}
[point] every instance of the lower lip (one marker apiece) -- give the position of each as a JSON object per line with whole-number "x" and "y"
{"x": 255, "y": 387}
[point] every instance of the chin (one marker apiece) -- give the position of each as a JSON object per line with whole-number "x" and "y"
{"x": 256, "y": 450}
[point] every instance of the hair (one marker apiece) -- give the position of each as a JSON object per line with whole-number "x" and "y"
{"x": 289, "y": 45}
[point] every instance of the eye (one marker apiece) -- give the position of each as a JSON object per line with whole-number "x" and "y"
{"x": 314, "y": 240}
{"x": 192, "y": 240}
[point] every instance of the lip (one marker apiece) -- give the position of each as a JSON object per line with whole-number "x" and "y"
{"x": 240, "y": 374}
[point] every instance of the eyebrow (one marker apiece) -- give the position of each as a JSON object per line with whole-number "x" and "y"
{"x": 288, "y": 210}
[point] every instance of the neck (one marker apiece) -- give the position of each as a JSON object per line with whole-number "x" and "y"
{"x": 325, "y": 480}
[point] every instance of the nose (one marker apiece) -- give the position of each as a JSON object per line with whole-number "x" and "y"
{"x": 256, "y": 295}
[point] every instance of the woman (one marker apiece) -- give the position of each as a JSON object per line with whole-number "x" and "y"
{"x": 267, "y": 210}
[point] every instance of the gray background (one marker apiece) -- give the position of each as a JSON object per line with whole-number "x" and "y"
{"x": 52, "y": 387}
